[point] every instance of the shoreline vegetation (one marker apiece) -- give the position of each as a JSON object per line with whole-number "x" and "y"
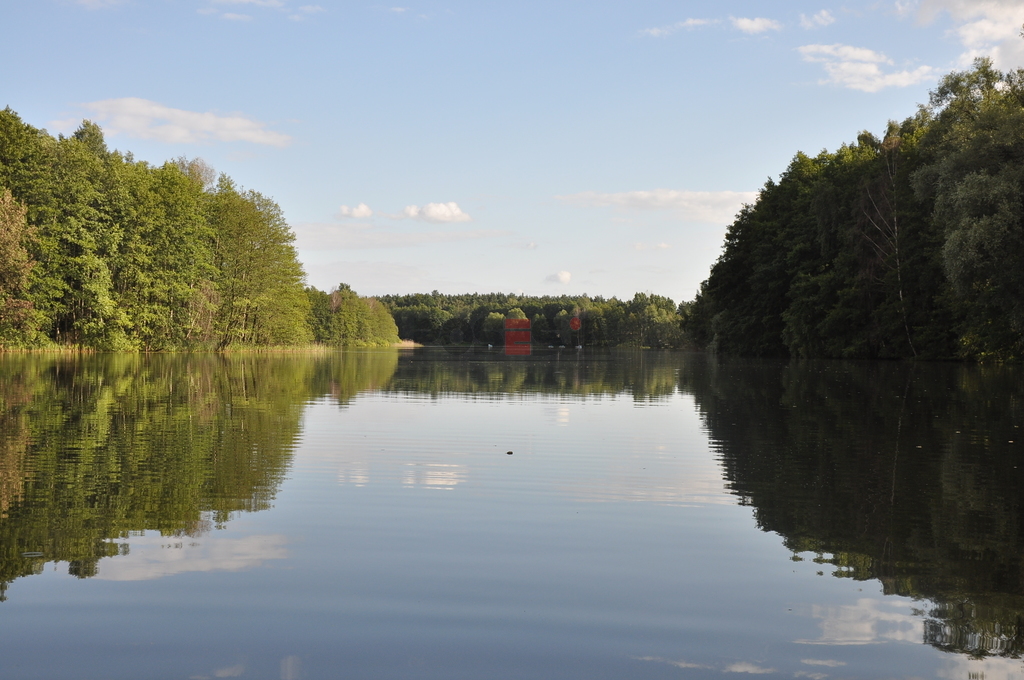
{"x": 901, "y": 247}
{"x": 101, "y": 252}
{"x": 906, "y": 246}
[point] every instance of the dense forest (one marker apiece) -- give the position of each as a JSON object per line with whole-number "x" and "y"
{"x": 434, "y": 318}
{"x": 909, "y": 245}
{"x": 100, "y": 251}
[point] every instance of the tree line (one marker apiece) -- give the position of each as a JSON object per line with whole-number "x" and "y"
{"x": 101, "y": 251}
{"x": 646, "y": 320}
{"x": 908, "y": 245}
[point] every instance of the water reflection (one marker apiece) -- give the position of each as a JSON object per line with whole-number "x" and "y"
{"x": 96, "y": 450}
{"x": 908, "y": 474}
{"x": 869, "y": 621}
{"x": 644, "y": 375}
{"x": 152, "y": 555}
{"x": 441, "y": 476}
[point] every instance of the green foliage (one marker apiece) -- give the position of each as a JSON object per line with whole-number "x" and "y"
{"x": 645, "y": 321}
{"x": 908, "y": 246}
{"x": 16, "y": 313}
{"x": 359, "y": 322}
{"x": 975, "y": 179}
{"x": 319, "y": 315}
{"x": 260, "y": 281}
{"x": 494, "y": 327}
{"x": 114, "y": 254}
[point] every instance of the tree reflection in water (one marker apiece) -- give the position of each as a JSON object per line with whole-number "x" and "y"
{"x": 896, "y": 472}
{"x": 910, "y": 474}
{"x": 102, "y": 447}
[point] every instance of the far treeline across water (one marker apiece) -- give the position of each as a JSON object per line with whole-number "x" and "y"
{"x": 909, "y": 246}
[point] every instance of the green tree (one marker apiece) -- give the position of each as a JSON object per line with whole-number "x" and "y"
{"x": 357, "y": 321}
{"x": 319, "y": 315}
{"x": 16, "y": 313}
{"x": 975, "y": 178}
{"x": 163, "y": 269}
{"x": 494, "y": 328}
{"x": 260, "y": 281}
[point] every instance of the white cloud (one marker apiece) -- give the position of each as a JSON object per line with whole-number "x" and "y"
{"x": 905, "y": 7}
{"x": 984, "y": 27}
{"x": 858, "y": 68}
{"x": 561, "y": 277}
{"x": 398, "y": 10}
{"x": 754, "y": 26}
{"x": 692, "y": 206}
{"x": 744, "y": 667}
{"x": 360, "y": 211}
{"x": 831, "y": 663}
{"x": 436, "y": 212}
{"x": 983, "y": 32}
{"x": 144, "y": 119}
{"x": 822, "y": 18}
{"x": 154, "y": 556}
{"x": 321, "y": 237}
{"x": 670, "y": 662}
{"x": 644, "y": 246}
{"x": 868, "y": 622}
{"x": 672, "y": 28}
{"x": 842, "y": 53}
{"x": 230, "y": 16}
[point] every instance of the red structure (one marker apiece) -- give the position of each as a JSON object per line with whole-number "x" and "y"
{"x": 518, "y": 339}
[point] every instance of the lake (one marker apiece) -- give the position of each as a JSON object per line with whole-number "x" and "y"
{"x": 572, "y": 514}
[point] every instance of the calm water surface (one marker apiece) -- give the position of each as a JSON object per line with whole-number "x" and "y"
{"x": 661, "y": 515}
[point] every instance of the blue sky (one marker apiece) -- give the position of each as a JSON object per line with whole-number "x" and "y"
{"x": 535, "y": 147}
